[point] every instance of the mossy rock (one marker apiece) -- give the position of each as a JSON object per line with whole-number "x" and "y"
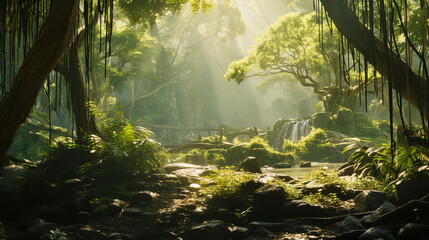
{"x": 322, "y": 120}
{"x": 345, "y": 117}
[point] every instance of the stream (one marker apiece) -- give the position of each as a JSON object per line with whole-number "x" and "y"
{"x": 296, "y": 171}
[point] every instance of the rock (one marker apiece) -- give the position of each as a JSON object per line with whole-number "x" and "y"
{"x": 263, "y": 232}
{"x": 269, "y": 197}
{"x": 194, "y": 187}
{"x": 345, "y": 117}
{"x": 251, "y": 186}
{"x": 196, "y": 159}
{"x": 250, "y": 165}
{"x": 209, "y": 230}
{"x": 143, "y": 196}
{"x": 305, "y": 165}
{"x": 346, "y": 171}
{"x": 132, "y": 212}
{"x": 383, "y": 209}
{"x": 350, "y": 223}
{"x": 416, "y": 188}
{"x": 282, "y": 165}
{"x": 82, "y": 217}
{"x": 413, "y": 231}
{"x": 369, "y": 200}
{"x": 40, "y": 228}
{"x": 235, "y": 232}
{"x": 73, "y": 182}
{"x": 285, "y": 178}
{"x": 376, "y": 233}
{"x": 226, "y": 215}
{"x": 109, "y": 209}
{"x": 199, "y": 214}
{"x": 272, "y": 226}
{"x": 322, "y": 120}
{"x": 300, "y": 208}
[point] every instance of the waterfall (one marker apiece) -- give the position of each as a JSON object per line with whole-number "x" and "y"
{"x": 292, "y": 130}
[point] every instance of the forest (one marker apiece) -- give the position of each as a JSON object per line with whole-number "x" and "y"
{"x": 214, "y": 119}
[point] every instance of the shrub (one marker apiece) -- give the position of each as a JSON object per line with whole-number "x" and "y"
{"x": 226, "y": 190}
{"x": 313, "y": 148}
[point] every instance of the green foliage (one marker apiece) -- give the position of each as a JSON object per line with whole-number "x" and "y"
{"x": 214, "y": 139}
{"x": 226, "y": 189}
{"x": 55, "y": 235}
{"x": 259, "y": 149}
{"x": 408, "y": 161}
{"x": 313, "y": 148}
{"x": 329, "y": 199}
{"x": 125, "y": 150}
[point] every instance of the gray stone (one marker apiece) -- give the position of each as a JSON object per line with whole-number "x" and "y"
{"x": 251, "y": 186}
{"x": 209, "y": 230}
{"x": 305, "y": 165}
{"x": 413, "y": 231}
{"x": 383, "y": 209}
{"x": 416, "y": 188}
{"x": 73, "y": 182}
{"x": 376, "y": 233}
{"x": 199, "y": 214}
{"x": 369, "y": 200}
{"x": 269, "y": 197}
{"x": 263, "y": 232}
{"x": 132, "y": 212}
{"x": 345, "y": 117}
{"x": 172, "y": 167}
{"x": 236, "y": 232}
{"x": 350, "y": 223}
{"x": 82, "y": 217}
{"x": 250, "y": 164}
{"x": 143, "y": 196}
{"x": 272, "y": 226}
{"x": 346, "y": 171}
{"x": 282, "y": 165}
{"x": 109, "y": 209}
{"x": 300, "y": 208}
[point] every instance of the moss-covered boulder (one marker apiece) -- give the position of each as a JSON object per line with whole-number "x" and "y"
{"x": 322, "y": 120}
{"x": 345, "y": 117}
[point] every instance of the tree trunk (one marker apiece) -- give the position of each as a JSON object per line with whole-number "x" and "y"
{"x": 375, "y": 52}
{"x": 85, "y": 122}
{"x": 49, "y": 45}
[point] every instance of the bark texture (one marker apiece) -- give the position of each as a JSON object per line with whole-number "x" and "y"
{"x": 375, "y": 52}
{"x": 49, "y": 45}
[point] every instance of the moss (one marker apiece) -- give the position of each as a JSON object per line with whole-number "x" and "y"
{"x": 259, "y": 149}
{"x": 313, "y": 148}
{"x": 364, "y": 127}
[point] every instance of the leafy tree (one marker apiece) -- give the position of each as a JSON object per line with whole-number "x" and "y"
{"x": 291, "y": 49}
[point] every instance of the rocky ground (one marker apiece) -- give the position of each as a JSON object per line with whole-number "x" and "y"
{"x": 169, "y": 206}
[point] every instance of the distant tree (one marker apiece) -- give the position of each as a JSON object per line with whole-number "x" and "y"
{"x": 291, "y": 49}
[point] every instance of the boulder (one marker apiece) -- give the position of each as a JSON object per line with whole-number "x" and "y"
{"x": 282, "y": 165}
{"x": 416, "y": 188}
{"x": 208, "y": 230}
{"x": 413, "y": 231}
{"x": 383, "y": 209}
{"x": 346, "y": 170}
{"x": 300, "y": 208}
{"x": 143, "y": 196}
{"x": 236, "y": 232}
{"x": 251, "y": 186}
{"x": 345, "y": 117}
{"x": 132, "y": 212}
{"x": 199, "y": 214}
{"x": 82, "y": 217}
{"x": 322, "y": 120}
{"x": 269, "y": 197}
{"x": 305, "y": 165}
{"x": 350, "y": 223}
{"x": 369, "y": 200}
{"x": 250, "y": 165}
{"x": 376, "y": 233}
{"x": 111, "y": 208}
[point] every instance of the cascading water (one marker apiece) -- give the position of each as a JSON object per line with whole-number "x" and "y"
{"x": 292, "y": 130}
